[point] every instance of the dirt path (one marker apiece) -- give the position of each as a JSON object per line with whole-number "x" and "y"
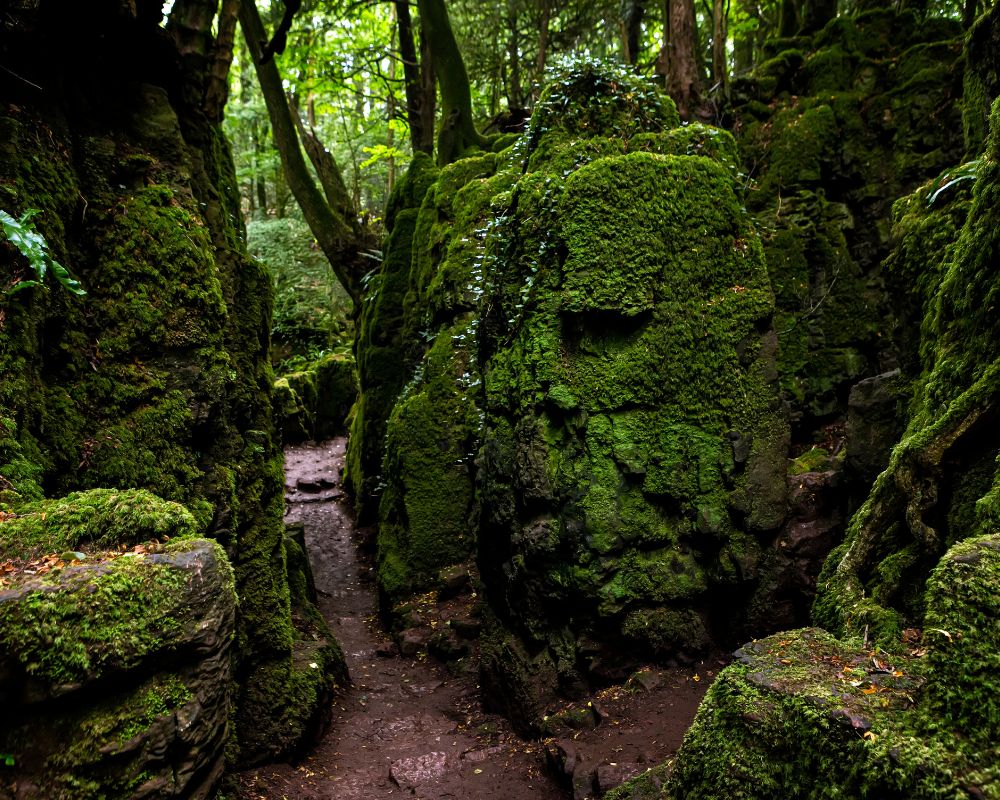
{"x": 407, "y": 727}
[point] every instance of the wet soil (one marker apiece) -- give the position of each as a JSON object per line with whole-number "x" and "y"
{"x": 413, "y": 726}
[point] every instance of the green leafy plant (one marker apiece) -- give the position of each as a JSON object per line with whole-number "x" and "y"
{"x": 966, "y": 172}
{"x": 32, "y": 245}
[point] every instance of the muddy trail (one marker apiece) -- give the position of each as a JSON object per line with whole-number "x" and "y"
{"x": 413, "y": 725}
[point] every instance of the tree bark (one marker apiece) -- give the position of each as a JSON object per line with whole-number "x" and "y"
{"x": 217, "y": 92}
{"x": 684, "y": 78}
{"x": 788, "y": 24}
{"x": 543, "y": 41}
{"x": 515, "y": 95}
{"x": 815, "y": 15}
{"x": 630, "y": 17}
{"x": 720, "y": 33}
{"x": 335, "y": 236}
{"x": 458, "y": 131}
{"x": 421, "y": 134}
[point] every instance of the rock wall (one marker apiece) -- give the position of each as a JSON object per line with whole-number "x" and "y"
{"x": 157, "y": 378}
{"x": 900, "y": 699}
{"x": 832, "y": 130}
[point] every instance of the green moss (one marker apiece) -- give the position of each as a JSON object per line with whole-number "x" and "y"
{"x": 382, "y": 350}
{"x": 427, "y": 513}
{"x": 96, "y": 518}
{"x": 80, "y": 623}
{"x": 630, "y": 401}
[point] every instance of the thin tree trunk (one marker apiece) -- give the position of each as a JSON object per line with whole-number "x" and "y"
{"x": 421, "y": 135}
{"x": 458, "y": 130}
{"x": 543, "y": 42}
{"x": 330, "y": 177}
{"x": 720, "y": 33}
{"x": 390, "y": 113}
{"x": 630, "y": 17}
{"x": 684, "y": 79}
{"x": 515, "y": 98}
{"x": 336, "y": 238}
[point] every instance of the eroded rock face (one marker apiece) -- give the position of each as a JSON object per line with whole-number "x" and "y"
{"x": 634, "y": 445}
{"x": 115, "y": 675}
{"x": 158, "y": 378}
{"x": 834, "y": 128}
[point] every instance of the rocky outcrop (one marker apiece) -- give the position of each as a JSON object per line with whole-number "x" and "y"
{"x": 116, "y": 673}
{"x": 158, "y": 378}
{"x": 313, "y": 402}
{"x": 898, "y": 696}
{"x": 633, "y": 454}
{"x": 833, "y": 128}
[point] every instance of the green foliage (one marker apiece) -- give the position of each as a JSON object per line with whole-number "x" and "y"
{"x": 312, "y": 312}
{"x": 32, "y": 245}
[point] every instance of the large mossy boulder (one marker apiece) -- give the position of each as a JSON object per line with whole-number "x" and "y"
{"x": 633, "y": 460}
{"x": 832, "y": 132}
{"x": 116, "y": 670}
{"x": 158, "y": 378}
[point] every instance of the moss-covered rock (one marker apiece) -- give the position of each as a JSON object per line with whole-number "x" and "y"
{"x": 863, "y": 112}
{"x": 116, "y": 674}
{"x": 428, "y": 514}
{"x": 633, "y": 455}
{"x": 98, "y": 518}
{"x": 314, "y": 402}
{"x": 383, "y": 355}
{"x": 158, "y": 378}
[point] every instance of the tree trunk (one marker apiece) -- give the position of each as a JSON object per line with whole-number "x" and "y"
{"x": 335, "y": 236}
{"x": 788, "y": 24}
{"x": 543, "y": 39}
{"x": 720, "y": 33}
{"x": 330, "y": 177}
{"x": 815, "y": 15}
{"x": 515, "y": 96}
{"x": 630, "y": 17}
{"x": 684, "y": 78}
{"x": 458, "y": 131}
{"x": 217, "y": 92}
{"x": 421, "y": 134}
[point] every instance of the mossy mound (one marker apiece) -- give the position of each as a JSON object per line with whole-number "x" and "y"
{"x": 633, "y": 454}
{"x": 832, "y": 132}
{"x": 116, "y": 674}
{"x": 314, "y": 402}
{"x": 96, "y": 518}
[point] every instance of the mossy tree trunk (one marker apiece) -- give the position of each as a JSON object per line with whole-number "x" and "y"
{"x": 333, "y": 224}
{"x": 458, "y": 131}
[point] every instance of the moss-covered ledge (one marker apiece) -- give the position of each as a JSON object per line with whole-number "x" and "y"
{"x": 95, "y": 518}
{"x": 115, "y": 674}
